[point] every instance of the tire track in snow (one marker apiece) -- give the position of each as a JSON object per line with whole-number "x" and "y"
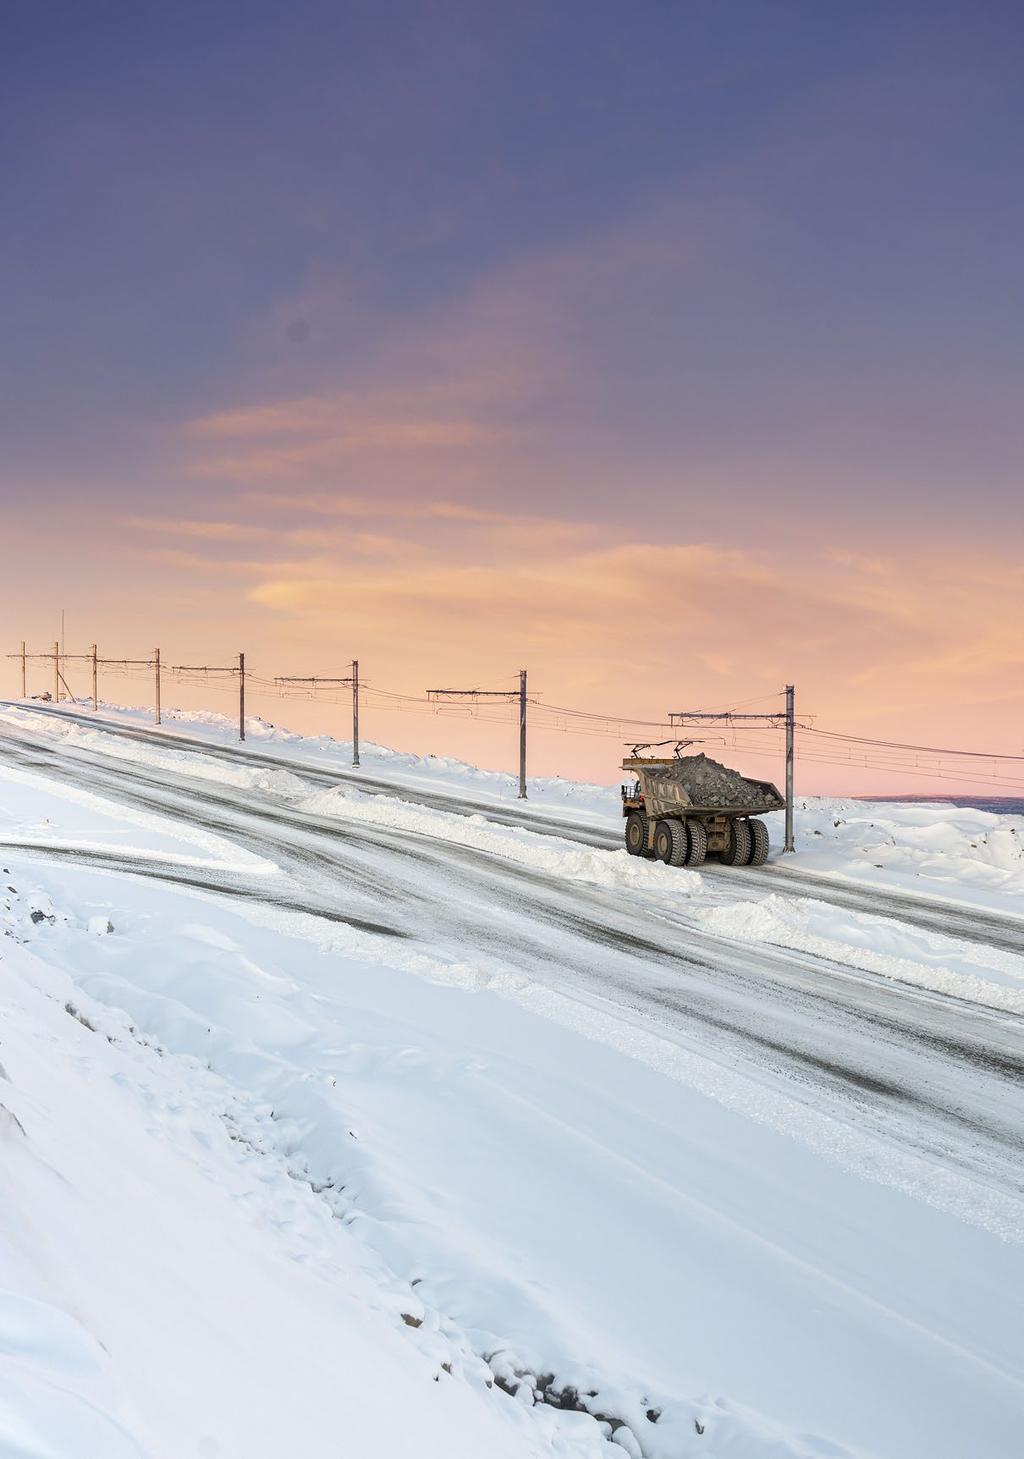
{"x": 958, "y": 1071}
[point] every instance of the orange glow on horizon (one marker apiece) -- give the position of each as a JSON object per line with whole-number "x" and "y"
{"x": 914, "y": 647}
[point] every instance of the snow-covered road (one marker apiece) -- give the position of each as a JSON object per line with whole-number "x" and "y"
{"x": 921, "y": 1071}
{"x": 933, "y": 913}
{"x": 900, "y": 1068}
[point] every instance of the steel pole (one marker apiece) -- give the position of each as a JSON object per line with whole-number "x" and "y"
{"x": 56, "y": 672}
{"x": 355, "y": 712}
{"x": 789, "y": 769}
{"x": 95, "y": 677}
{"x": 24, "y": 690}
{"x": 241, "y": 696}
{"x": 522, "y": 734}
{"x": 156, "y": 661}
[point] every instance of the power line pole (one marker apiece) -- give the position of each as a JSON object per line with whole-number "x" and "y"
{"x": 314, "y": 682}
{"x": 787, "y": 719}
{"x": 355, "y": 713}
{"x": 790, "y": 725}
{"x": 215, "y": 669}
{"x": 156, "y": 665}
{"x": 24, "y": 690}
{"x": 510, "y": 696}
{"x": 95, "y": 678}
{"x": 522, "y": 734}
{"x": 56, "y": 672}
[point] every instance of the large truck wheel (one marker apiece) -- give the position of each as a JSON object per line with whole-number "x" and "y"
{"x": 636, "y": 833}
{"x": 670, "y": 842}
{"x": 697, "y": 849}
{"x": 759, "y": 843}
{"x": 737, "y": 853}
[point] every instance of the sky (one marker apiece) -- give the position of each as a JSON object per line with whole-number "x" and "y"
{"x": 673, "y": 351}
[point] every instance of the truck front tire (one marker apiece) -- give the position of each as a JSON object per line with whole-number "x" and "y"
{"x": 636, "y": 833}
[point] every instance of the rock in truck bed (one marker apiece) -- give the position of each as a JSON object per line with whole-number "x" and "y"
{"x": 706, "y": 783}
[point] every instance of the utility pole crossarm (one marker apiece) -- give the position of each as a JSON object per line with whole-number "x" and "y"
{"x": 313, "y": 679}
{"x": 677, "y": 716}
{"x": 475, "y": 693}
{"x": 685, "y": 716}
{"x": 65, "y": 656}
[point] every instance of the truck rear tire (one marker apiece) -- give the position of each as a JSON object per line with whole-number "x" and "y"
{"x": 759, "y": 843}
{"x": 737, "y": 853}
{"x": 670, "y": 842}
{"x": 697, "y": 843}
{"x": 636, "y": 833}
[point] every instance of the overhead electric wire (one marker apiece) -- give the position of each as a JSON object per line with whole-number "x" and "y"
{"x": 755, "y": 699}
{"x": 922, "y": 749}
{"x": 813, "y": 745}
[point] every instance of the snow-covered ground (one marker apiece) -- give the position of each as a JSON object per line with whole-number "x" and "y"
{"x": 169, "y": 1285}
{"x": 929, "y": 849}
{"x": 278, "y": 1182}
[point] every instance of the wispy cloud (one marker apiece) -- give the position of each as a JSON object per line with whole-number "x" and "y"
{"x": 194, "y": 563}
{"x": 331, "y": 543}
{"x": 195, "y": 528}
{"x": 433, "y": 404}
{"x": 338, "y": 523}
{"x": 342, "y": 504}
{"x": 668, "y": 614}
{"x": 469, "y": 381}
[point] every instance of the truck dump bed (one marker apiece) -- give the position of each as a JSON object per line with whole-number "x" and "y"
{"x": 688, "y": 784}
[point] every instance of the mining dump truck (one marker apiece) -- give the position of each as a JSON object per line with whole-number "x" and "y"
{"x": 685, "y": 808}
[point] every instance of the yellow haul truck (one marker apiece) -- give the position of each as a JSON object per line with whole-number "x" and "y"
{"x": 685, "y": 808}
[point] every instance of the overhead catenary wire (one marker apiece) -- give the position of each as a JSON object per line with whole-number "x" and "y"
{"x": 815, "y": 745}
{"x": 923, "y": 749}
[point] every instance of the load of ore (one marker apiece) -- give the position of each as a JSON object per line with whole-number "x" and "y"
{"x": 707, "y": 782}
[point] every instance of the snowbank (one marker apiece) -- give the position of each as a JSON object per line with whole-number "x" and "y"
{"x": 875, "y": 944}
{"x": 546, "y": 854}
{"x": 324, "y": 752}
{"x": 934, "y": 849}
